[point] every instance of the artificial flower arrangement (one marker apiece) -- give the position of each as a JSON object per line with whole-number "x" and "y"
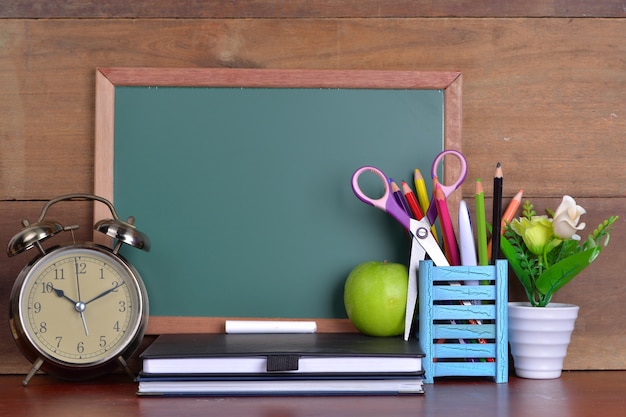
{"x": 546, "y": 253}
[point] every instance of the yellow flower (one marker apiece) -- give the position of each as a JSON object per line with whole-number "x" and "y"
{"x": 536, "y": 232}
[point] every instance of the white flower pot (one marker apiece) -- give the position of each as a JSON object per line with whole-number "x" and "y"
{"x": 539, "y": 337}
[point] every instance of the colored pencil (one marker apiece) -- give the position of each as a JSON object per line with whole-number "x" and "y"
{"x": 397, "y": 193}
{"x": 420, "y": 188}
{"x": 467, "y": 249}
{"x": 496, "y": 218}
{"x": 511, "y": 209}
{"x": 508, "y": 215}
{"x": 422, "y": 197}
{"x": 409, "y": 195}
{"x": 447, "y": 230}
{"x": 481, "y": 225}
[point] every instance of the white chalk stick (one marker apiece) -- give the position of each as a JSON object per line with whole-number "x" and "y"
{"x": 278, "y": 326}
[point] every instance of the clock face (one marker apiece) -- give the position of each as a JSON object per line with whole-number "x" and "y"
{"x": 80, "y": 305}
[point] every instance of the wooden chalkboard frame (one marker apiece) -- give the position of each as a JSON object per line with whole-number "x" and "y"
{"x": 107, "y": 79}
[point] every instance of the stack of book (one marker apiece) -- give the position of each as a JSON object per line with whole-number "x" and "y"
{"x": 281, "y": 364}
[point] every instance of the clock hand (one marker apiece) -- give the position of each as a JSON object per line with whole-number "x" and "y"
{"x": 110, "y": 290}
{"x": 61, "y": 294}
{"x": 82, "y": 316}
{"x": 78, "y": 306}
{"x": 77, "y": 280}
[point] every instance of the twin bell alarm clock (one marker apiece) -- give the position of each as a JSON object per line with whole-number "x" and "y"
{"x": 78, "y": 310}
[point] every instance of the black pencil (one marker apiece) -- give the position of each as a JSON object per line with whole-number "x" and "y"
{"x": 496, "y": 218}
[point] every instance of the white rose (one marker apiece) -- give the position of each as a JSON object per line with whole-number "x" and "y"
{"x": 566, "y": 217}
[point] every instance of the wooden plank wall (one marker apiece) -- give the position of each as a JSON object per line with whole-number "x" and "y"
{"x": 544, "y": 88}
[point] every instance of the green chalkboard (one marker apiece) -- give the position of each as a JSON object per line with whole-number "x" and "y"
{"x": 245, "y": 191}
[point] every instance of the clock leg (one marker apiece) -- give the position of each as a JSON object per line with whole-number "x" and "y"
{"x": 36, "y": 365}
{"x": 124, "y": 366}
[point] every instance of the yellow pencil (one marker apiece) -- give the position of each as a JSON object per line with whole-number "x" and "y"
{"x": 422, "y": 196}
{"x": 422, "y": 193}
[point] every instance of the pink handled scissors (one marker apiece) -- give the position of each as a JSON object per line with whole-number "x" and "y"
{"x": 431, "y": 214}
{"x": 422, "y": 243}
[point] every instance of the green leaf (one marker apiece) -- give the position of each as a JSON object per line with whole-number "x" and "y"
{"x": 514, "y": 261}
{"x": 562, "y": 251}
{"x": 564, "y": 271}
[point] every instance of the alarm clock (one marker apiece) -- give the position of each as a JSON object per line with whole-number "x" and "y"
{"x": 78, "y": 310}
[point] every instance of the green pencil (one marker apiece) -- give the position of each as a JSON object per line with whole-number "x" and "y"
{"x": 481, "y": 225}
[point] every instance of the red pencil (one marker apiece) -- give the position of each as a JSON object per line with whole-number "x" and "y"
{"x": 412, "y": 200}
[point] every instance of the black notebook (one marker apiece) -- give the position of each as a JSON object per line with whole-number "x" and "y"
{"x": 316, "y": 353}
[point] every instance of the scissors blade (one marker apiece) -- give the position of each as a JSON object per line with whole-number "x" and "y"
{"x": 417, "y": 254}
{"x": 420, "y": 229}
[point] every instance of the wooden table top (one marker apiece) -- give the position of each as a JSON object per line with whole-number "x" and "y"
{"x": 574, "y": 394}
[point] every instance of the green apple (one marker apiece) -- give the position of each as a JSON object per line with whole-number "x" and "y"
{"x": 375, "y": 298}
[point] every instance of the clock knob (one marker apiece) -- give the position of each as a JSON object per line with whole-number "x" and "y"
{"x": 32, "y": 235}
{"x": 125, "y": 232}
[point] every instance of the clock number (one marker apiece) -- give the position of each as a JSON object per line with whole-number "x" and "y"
{"x": 101, "y": 273}
{"x": 81, "y": 268}
{"x": 58, "y": 339}
{"x": 103, "y": 341}
{"x": 80, "y": 347}
{"x": 59, "y": 274}
{"x": 122, "y": 306}
{"x": 115, "y": 285}
{"x": 37, "y": 307}
{"x": 116, "y": 326}
{"x": 43, "y": 327}
{"x": 47, "y": 287}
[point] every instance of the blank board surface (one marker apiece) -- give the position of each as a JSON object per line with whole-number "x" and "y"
{"x": 245, "y": 191}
